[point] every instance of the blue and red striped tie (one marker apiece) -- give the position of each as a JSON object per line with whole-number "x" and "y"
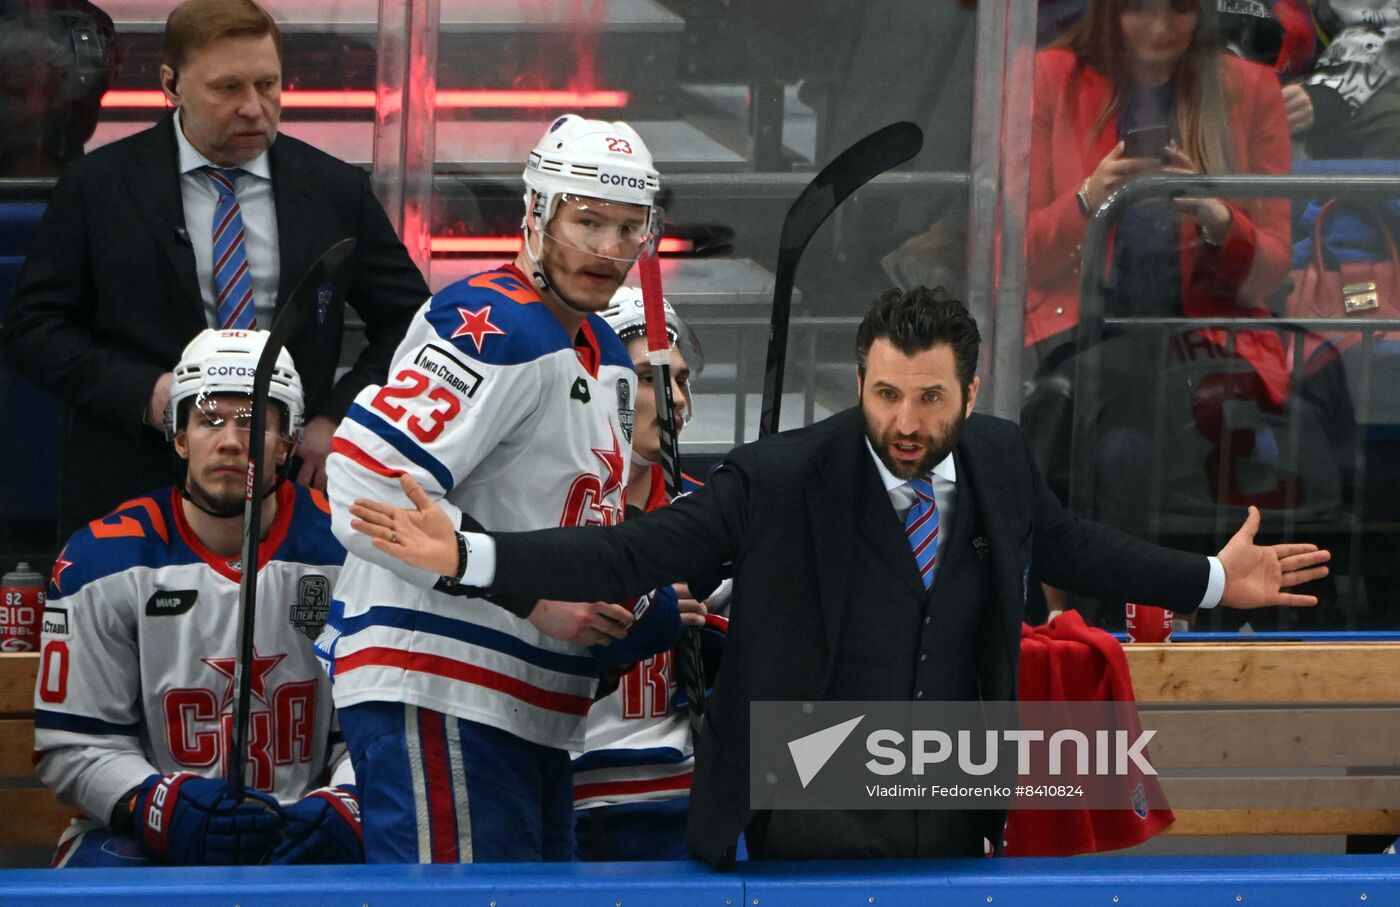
{"x": 921, "y": 528}
{"x": 233, "y": 283}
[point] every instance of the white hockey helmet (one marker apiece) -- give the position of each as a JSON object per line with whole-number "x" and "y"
{"x": 590, "y": 159}
{"x": 224, "y": 362}
{"x": 626, "y": 315}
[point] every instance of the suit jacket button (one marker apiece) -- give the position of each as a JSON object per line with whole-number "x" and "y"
{"x": 923, "y": 656}
{"x": 918, "y": 694}
{"x": 1059, "y": 310}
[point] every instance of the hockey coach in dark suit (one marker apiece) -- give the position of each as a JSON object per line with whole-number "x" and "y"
{"x": 881, "y": 554}
{"x": 129, "y": 263}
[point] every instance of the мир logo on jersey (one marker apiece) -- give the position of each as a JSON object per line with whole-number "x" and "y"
{"x": 308, "y": 613}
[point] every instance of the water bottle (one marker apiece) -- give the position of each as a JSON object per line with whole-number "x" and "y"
{"x": 21, "y": 609}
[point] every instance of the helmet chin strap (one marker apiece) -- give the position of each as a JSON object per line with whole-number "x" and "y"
{"x": 541, "y": 279}
{"x": 639, "y": 460}
{"x": 235, "y": 511}
{"x": 279, "y": 475}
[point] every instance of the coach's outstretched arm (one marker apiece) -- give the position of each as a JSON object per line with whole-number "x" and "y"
{"x": 708, "y": 528}
{"x": 700, "y": 531}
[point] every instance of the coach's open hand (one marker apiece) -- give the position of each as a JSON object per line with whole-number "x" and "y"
{"x": 1256, "y": 575}
{"x": 423, "y": 537}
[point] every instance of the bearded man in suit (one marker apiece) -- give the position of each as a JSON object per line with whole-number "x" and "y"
{"x": 882, "y": 554}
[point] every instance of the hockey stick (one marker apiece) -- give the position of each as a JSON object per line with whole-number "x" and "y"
{"x": 296, "y": 313}
{"x": 692, "y": 674}
{"x": 882, "y": 150}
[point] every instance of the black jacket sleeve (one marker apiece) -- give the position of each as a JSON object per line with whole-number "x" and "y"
{"x": 700, "y": 531}
{"x": 48, "y": 335}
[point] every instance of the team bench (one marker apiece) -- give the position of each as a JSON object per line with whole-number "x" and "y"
{"x": 1220, "y": 700}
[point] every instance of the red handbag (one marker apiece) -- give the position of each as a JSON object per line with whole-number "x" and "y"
{"x": 1354, "y": 289}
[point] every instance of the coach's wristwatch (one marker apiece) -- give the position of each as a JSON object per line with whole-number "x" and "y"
{"x": 450, "y": 583}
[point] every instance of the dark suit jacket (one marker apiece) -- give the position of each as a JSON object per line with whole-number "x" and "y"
{"x": 108, "y": 298}
{"x": 786, "y": 511}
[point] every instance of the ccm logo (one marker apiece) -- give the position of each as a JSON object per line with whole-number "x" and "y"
{"x": 613, "y": 179}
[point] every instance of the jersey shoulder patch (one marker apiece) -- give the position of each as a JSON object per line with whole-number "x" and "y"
{"x": 497, "y": 318}
{"x": 136, "y": 532}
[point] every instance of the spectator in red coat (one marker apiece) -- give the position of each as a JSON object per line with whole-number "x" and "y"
{"x": 1131, "y": 65}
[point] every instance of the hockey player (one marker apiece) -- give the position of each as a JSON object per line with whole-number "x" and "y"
{"x": 632, "y": 782}
{"x": 508, "y": 397}
{"x": 133, "y": 699}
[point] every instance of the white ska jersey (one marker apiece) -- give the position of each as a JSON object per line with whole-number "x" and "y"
{"x": 638, "y": 744}
{"x": 139, "y": 645}
{"x": 496, "y": 413}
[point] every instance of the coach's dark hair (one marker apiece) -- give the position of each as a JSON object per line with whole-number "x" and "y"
{"x": 918, "y": 319}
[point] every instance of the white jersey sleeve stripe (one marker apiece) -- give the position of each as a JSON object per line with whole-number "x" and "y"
{"x": 404, "y": 445}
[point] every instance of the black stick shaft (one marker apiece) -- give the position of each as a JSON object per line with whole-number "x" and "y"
{"x": 868, "y": 158}
{"x": 296, "y": 313}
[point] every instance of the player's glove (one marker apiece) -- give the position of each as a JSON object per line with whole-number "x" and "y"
{"x": 322, "y": 827}
{"x": 187, "y": 820}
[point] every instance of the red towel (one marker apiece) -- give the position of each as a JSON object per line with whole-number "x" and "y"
{"x": 1065, "y": 660}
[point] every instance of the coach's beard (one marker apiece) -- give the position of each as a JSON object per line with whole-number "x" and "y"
{"x": 936, "y": 446}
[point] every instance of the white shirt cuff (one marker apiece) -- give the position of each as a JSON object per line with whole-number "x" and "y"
{"x": 1215, "y": 586}
{"x": 481, "y": 561}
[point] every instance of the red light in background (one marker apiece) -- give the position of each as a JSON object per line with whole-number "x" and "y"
{"x": 450, "y": 98}
{"x": 482, "y": 245}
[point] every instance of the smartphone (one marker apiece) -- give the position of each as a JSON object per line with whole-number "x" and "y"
{"x": 1150, "y": 141}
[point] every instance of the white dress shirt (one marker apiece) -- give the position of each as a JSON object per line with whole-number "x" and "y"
{"x": 254, "y": 191}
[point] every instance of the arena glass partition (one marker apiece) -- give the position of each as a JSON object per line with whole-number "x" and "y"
{"x": 740, "y": 103}
{"x": 75, "y": 76}
{"x": 1203, "y": 332}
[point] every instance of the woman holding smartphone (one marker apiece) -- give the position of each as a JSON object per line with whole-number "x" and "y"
{"x": 1138, "y": 87}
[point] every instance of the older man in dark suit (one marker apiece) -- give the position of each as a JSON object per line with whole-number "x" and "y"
{"x": 208, "y": 219}
{"x": 837, "y": 533}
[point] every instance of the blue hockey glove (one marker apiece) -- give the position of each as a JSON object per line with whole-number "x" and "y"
{"x": 657, "y": 628}
{"x": 186, "y": 820}
{"x": 322, "y": 827}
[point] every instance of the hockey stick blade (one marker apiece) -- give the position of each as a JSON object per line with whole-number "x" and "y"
{"x": 878, "y": 152}
{"x": 296, "y": 313}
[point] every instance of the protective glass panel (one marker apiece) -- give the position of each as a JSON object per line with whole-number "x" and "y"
{"x": 1212, "y": 339}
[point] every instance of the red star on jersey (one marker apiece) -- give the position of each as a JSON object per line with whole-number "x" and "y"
{"x": 261, "y": 665}
{"x": 612, "y": 465}
{"x": 58, "y": 567}
{"x": 476, "y": 325}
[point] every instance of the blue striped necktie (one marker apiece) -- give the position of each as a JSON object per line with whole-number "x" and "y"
{"x": 921, "y": 528}
{"x": 233, "y": 282}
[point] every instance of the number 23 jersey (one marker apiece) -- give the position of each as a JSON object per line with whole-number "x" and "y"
{"x": 497, "y": 413}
